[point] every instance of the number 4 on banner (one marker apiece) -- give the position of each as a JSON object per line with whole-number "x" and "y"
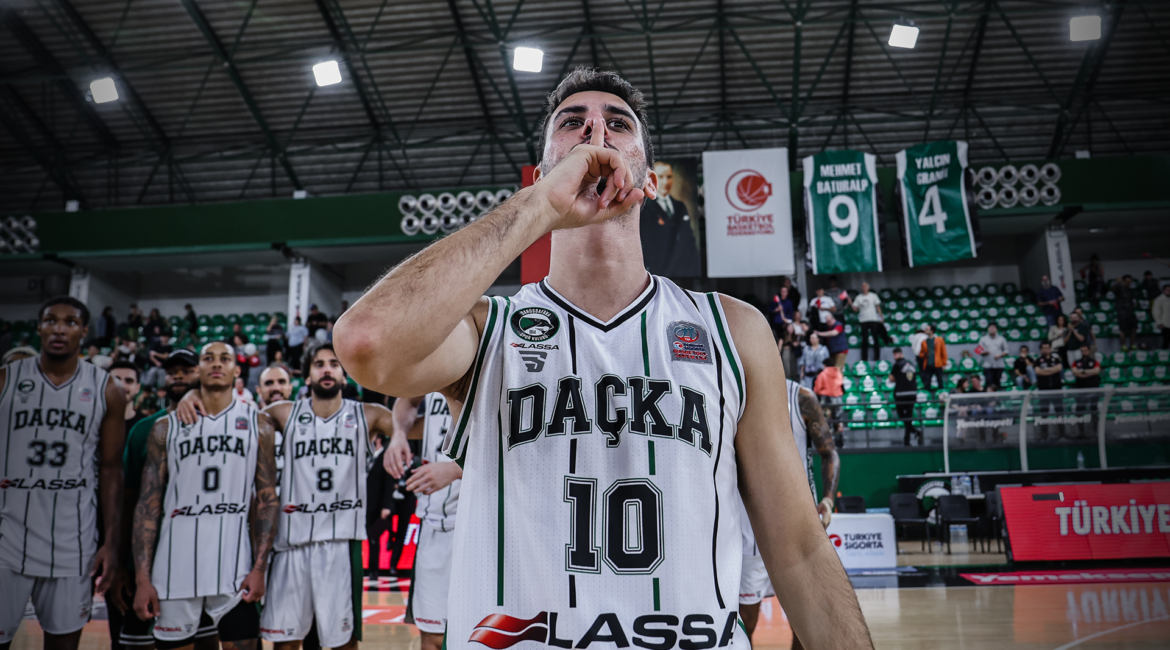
{"x": 932, "y": 213}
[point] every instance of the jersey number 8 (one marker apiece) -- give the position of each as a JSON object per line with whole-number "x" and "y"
{"x": 632, "y": 526}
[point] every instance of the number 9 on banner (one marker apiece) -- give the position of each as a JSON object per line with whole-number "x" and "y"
{"x": 850, "y": 221}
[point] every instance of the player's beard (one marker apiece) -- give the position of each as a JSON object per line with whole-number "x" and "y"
{"x": 175, "y": 392}
{"x": 325, "y": 393}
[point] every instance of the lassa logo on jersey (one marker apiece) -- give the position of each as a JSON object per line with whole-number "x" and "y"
{"x": 688, "y": 342}
{"x": 209, "y": 509}
{"x": 535, "y": 324}
{"x": 314, "y": 508}
{"x": 42, "y": 484}
{"x": 653, "y": 631}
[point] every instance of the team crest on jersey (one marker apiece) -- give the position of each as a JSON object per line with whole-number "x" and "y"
{"x": 86, "y": 395}
{"x": 26, "y": 386}
{"x": 241, "y": 423}
{"x": 305, "y": 418}
{"x": 535, "y": 324}
{"x": 688, "y": 342}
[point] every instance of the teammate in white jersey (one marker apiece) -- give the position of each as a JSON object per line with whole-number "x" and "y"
{"x": 436, "y": 483}
{"x": 193, "y": 550}
{"x": 60, "y": 452}
{"x": 316, "y": 572}
{"x": 548, "y": 545}
{"x": 810, "y": 430}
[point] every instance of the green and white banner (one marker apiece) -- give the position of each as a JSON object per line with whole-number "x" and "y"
{"x": 841, "y": 212}
{"x": 937, "y": 224}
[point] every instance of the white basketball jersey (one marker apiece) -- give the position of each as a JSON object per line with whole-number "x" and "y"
{"x": 48, "y": 489}
{"x": 438, "y": 508}
{"x": 323, "y": 485}
{"x": 203, "y": 546}
{"x": 600, "y": 475}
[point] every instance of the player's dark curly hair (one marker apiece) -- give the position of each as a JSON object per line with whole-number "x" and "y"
{"x": 82, "y": 310}
{"x": 584, "y": 79}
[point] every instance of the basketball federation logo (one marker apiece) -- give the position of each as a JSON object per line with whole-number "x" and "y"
{"x": 688, "y": 342}
{"x": 535, "y": 324}
{"x": 747, "y": 190}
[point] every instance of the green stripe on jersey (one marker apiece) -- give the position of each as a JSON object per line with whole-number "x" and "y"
{"x": 500, "y": 513}
{"x": 726, "y": 343}
{"x": 465, "y": 416}
{"x": 657, "y": 599}
{"x": 650, "y": 452}
{"x": 645, "y": 347}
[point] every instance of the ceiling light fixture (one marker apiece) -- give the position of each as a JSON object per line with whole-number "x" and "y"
{"x": 1084, "y": 28}
{"x": 103, "y": 90}
{"x": 327, "y": 73}
{"x": 527, "y": 59}
{"x": 905, "y": 36}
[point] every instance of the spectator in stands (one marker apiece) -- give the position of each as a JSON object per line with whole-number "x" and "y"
{"x": 975, "y": 385}
{"x": 869, "y": 312}
{"x": 789, "y": 351}
{"x": 128, "y": 351}
{"x": 274, "y": 333}
{"x": 241, "y": 393}
{"x": 105, "y": 328}
{"x": 1079, "y": 332}
{"x": 1095, "y": 278}
{"x": 793, "y": 292}
{"x": 1087, "y": 373}
{"x": 829, "y": 387}
{"x": 1126, "y": 303}
{"x": 296, "y": 343}
{"x": 134, "y": 320}
{"x": 905, "y": 377}
{"x": 238, "y": 330}
{"x": 156, "y": 375}
{"x": 155, "y": 326}
{"x": 833, "y": 334}
{"x": 812, "y": 361}
{"x": 1151, "y": 286}
{"x": 819, "y": 309}
{"x": 932, "y": 358}
{"x": 1049, "y": 298}
{"x": 992, "y": 348}
{"x": 316, "y": 320}
{"x": 1058, "y": 333}
{"x": 1161, "y": 313}
{"x": 780, "y": 310}
{"x": 127, "y": 376}
{"x": 1023, "y": 370}
{"x": 1048, "y": 378}
{"x": 243, "y": 360}
{"x": 190, "y": 320}
{"x": 799, "y": 327}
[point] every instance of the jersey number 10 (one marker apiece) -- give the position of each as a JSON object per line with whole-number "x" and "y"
{"x": 632, "y": 526}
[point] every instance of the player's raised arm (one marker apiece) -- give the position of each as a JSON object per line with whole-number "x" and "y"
{"x": 111, "y": 443}
{"x": 267, "y": 507}
{"x": 415, "y": 332}
{"x": 807, "y": 575}
{"x": 147, "y": 518}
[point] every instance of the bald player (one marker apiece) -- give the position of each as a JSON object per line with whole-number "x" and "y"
{"x": 275, "y": 385}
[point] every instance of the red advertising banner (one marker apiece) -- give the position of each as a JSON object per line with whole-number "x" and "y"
{"x": 1088, "y": 522}
{"x": 405, "y": 559}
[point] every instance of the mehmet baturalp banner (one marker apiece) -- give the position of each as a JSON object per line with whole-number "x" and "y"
{"x": 749, "y": 213}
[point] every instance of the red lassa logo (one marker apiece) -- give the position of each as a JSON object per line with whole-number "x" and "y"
{"x": 747, "y": 190}
{"x": 499, "y": 631}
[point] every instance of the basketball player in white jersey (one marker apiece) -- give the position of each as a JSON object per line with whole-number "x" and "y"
{"x": 193, "y": 552}
{"x": 604, "y": 416}
{"x": 60, "y": 418}
{"x": 316, "y": 571}
{"x": 436, "y": 484}
{"x": 810, "y": 430}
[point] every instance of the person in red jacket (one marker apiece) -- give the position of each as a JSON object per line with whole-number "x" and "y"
{"x": 932, "y": 358}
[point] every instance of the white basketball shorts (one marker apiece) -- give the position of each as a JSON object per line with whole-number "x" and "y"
{"x": 427, "y": 608}
{"x": 62, "y": 604}
{"x": 754, "y": 584}
{"x": 179, "y": 618}
{"x": 311, "y": 581}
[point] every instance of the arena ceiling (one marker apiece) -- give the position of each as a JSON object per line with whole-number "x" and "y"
{"x": 218, "y": 100}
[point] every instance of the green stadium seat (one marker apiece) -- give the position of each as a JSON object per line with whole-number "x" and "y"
{"x": 974, "y": 290}
{"x": 973, "y": 336}
{"x": 1015, "y": 335}
{"x": 916, "y": 315}
{"x": 921, "y": 292}
{"x": 905, "y": 327}
{"x": 946, "y": 303}
{"x": 854, "y": 340}
{"x": 1035, "y": 334}
{"x": 218, "y": 319}
{"x": 991, "y": 312}
{"x": 1018, "y": 299}
{"x": 1022, "y": 322}
{"x": 954, "y": 314}
{"x": 1001, "y": 301}
{"x": 1105, "y": 305}
{"x": 965, "y": 302}
{"x": 950, "y": 366}
{"x": 938, "y": 292}
{"x": 1009, "y": 288}
{"x": 957, "y": 291}
{"x": 1099, "y": 317}
{"x": 903, "y": 293}
{"x": 1140, "y": 373}
{"x": 885, "y": 294}
{"x": 859, "y": 369}
{"x": 927, "y": 303}
{"x": 247, "y": 319}
{"x": 1031, "y": 310}
{"x": 943, "y": 326}
{"x": 1081, "y": 286}
{"x": 203, "y": 319}
{"x": 233, "y": 318}
{"x": 962, "y": 324}
{"x": 1011, "y": 310}
{"x": 935, "y": 314}
{"x": 910, "y": 304}
{"x": 991, "y": 289}
{"x": 263, "y": 318}
{"x": 1002, "y": 322}
{"x": 982, "y": 301}
{"x": 1159, "y": 373}
{"x": 868, "y": 384}
{"x": 953, "y": 337}
{"x": 968, "y": 364}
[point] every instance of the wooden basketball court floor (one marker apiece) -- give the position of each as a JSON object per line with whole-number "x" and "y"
{"x": 939, "y": 614}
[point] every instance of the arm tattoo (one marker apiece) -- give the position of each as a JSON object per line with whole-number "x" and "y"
{"x": 267, "y": 504}
{"x": 148, "y": 512}
{"x": 822, "y": 438}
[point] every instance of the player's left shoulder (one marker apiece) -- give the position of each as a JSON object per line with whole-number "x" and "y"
{"x": 745, "y": 324}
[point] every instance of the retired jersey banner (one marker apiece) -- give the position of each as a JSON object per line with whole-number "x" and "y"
{"x": 937, "y": 221}
{"x": 749, "y": 213}
{"x": 841, "y": 212}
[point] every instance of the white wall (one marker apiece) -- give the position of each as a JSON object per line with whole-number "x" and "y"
{"x": 324, "y": 290}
